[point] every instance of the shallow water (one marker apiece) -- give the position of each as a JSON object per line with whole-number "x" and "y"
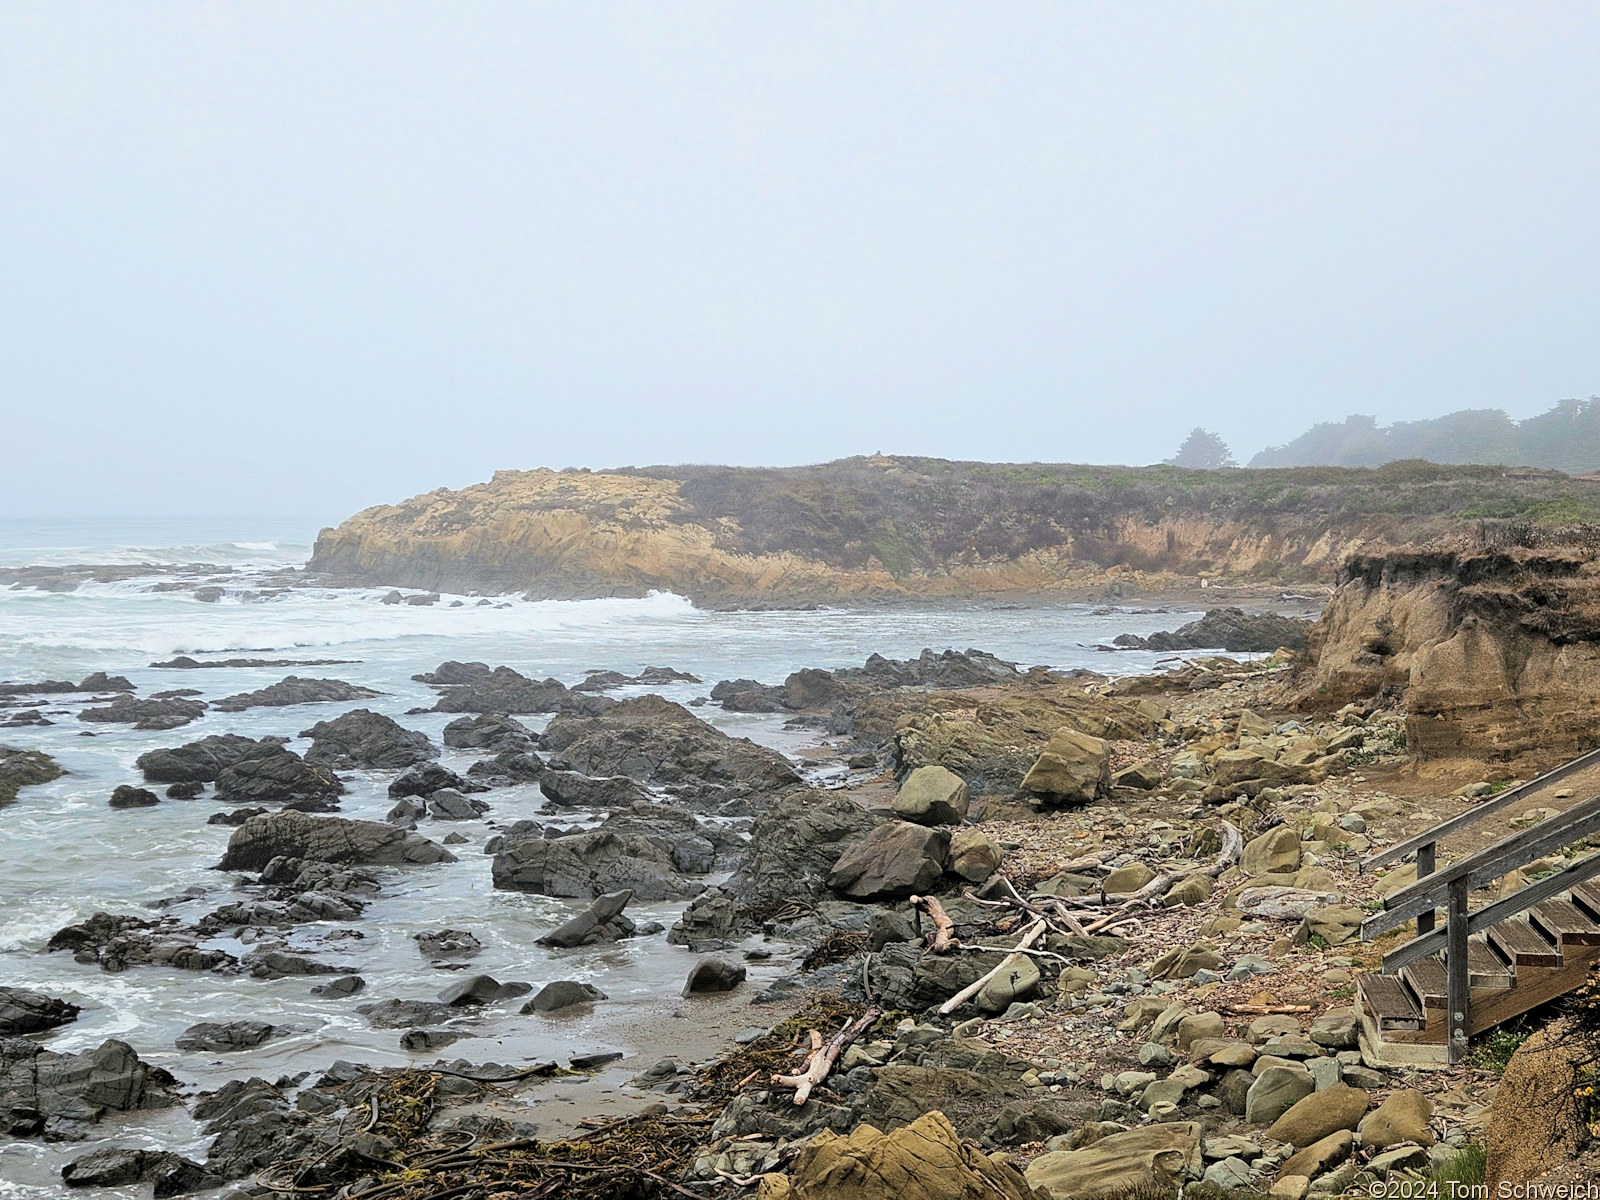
{"x": 64, "y": 854}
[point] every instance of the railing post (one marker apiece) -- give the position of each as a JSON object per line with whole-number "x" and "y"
{"x": 1425, "y": 868}
{"x": 1457, "y": 998}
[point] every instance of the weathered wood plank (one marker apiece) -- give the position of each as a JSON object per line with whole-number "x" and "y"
{"x": 1522, "y": 944}
{"x": 1428, "y": 982}
{"x": 1500, "y": 803}
{"x": 1587, "y": 897}
{"x": 1564, "y": 924}
{"x": 1389, "y": 1002}
{"x": 1485, "y": 968}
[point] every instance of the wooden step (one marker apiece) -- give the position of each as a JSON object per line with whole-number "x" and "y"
{"x": 1485, "y": 968}
{"x": 1522, "y": 944}
{"x": 1587, "y": 897}
{"x": 1427, "y": 981}
{"x": 1563, "y": 923}
{"x": 1389, "y": 1002}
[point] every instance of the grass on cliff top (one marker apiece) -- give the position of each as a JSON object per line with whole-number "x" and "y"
{"x": 917, "y": 513}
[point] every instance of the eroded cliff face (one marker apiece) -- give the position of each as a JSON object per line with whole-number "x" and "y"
{"x": 1497, "y": 653}
{"x": 575, "y": 535}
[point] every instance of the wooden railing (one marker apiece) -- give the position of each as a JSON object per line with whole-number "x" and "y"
{"x": 1449, "y": 887}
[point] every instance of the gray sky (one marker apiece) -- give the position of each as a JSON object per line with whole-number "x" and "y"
{"x": 301, "y": 258}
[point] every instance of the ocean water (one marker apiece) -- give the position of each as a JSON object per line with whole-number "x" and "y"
{"x": 65, "y": 854}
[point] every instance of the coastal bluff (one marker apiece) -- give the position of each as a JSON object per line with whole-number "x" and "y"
{"x": 903, "y": 528}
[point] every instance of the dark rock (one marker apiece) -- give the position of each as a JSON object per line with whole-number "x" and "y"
{"x": 447, "y": 943}
{"x": 1019, "y": 1123}
{"x": 429, "y": 1039}
{"x": 948, "y": 669}
{"x": 604, "y": 681}
{"x": 506, "y": 691}
{"x": 326, "y": 840}
{"x": 455, "y": 674}
{"x": 105, "y": 1168}
{"x": 711, "y": 920}
{"x": 746, "y": 695}
{"x": 602, "y": 921}
{"x": 184, "y": 791}
{"x": 127, "y": 796}
{"x": 507, "y": 768}
{"x": 794, "y": 846}
{"x": 481, "y": 989}
{"x": 145, "y": 714}
{"x": 184, "y": 663}
{"x": 447, "y": 804}
{"x": 237, "y": 816}
{"x": 568, "y": 789}
{"x": 234, "y": 1035}
{"x": 203, "y": 761}
{"x": 404, "y": 1014}
{"x": 117, "y": 942}
{"x": 713, "y": 975}
{"x": 563, "y": 993}
{"x": 425, "y": 778}
{"x": 696, "y": 847}
{"x": 28, "y": 716}
{"x": 279, "y": 964}
{"x": 455, "y": 839}
{"x": 295, "y": 690}
{"x": 362, "y": 738}
{"x": 589, "y": 1062}
{"x": 493, "y": 732}
{"x": 57, "y": 1094}
{"x": 896, "y": 860}
{"x": 345, "y": 985}
{"x": 811, "y": 688}
{"x": 1230, "y": 629}
{"x": 23, "y": 768}
{"x": 282, "y": 777}
{"x": 22, "y": 1011}
{"x": 591, "y": 864}
{"x": 406, "y": 813}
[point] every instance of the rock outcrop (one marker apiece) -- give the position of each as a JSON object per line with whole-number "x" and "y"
{"x": 23, "y": 768}
{"x": 362, "y": 738}
{"x": 292, "y": 834}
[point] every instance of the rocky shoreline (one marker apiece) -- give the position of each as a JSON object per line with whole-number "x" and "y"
{"x": 1071, "y": 935}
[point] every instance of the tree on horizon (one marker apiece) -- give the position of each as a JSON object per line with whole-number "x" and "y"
{"x": 1203, "y": 450}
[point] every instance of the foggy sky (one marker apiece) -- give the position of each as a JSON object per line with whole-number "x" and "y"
{"x": 302, "y": 258}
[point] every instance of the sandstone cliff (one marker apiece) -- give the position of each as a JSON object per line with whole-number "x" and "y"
{"x": 1497, "y": 652}
{"x": 885, "y": 528}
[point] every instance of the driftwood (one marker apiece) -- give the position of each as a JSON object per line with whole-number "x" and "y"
{"x": 1232, "y": 848}
{"x": 944, "y": 937}
{"x": 1264, "y": 1009}
{"x": 821, "y": 1059}
{"x": 1035, "y": 932}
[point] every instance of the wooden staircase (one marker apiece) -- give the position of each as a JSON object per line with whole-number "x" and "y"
{"x": 1490, "y": 964}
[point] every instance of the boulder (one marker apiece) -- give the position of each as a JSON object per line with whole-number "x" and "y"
{"x": 233, "y": 1035}
{"x": 428, "y": 777}
{"x": 973, "y": 856}
{"x": 569, "y": 789}
{"x": 1155, "y": 1158}
{"x": 282, "y": 777}
{"x": 505, "y": 691}
{"x": 447, "y": 804}
{"x": 204, "y": 760}
{"x": 932, "y": 796}
{"x": 1334, "y": 923}
{"x": 1126, "y": 879}
{"x": 795, "y": 844}
{"x": 588, "y": 865}
{"x": 294, "y": 690}
{"x": 1320, "y": 1156}
{"x": 447, "y": 943}
{"x": 475, "y": 990}
{"x": 1275, "y": 1091}
{"x": 326, "y": 840}
{"x": 170, "y": 1174}
{"x": 1281, "y": 903}
{"x": 57, "y": 1094}
{"x": 23, "y": 1011}
{"x": 492, "y": 732}
{"x": 1338, "y": 1029}
{"x": 563, "y": 993}
{"x": 925, "y": 1160}
{"x": 1402, "y": 1117}
{"x": 895, "y": 860}
{"x": 810, "y": 687}
{"x": 362, "y": 738}
{"x": 127, "y": 796}
{"x": 713, "y": 975}
{"x": 1316, "y": 1116}
{"x": 1277, "y": 851}
{"x": 1017, "y": 982}
{"x": 602, "y": 921}
{"x": 711, "y": 919}
{"x": 507, "y": 769}
{"x": 146, "y": 714}
{"x": 1073, "y": 768}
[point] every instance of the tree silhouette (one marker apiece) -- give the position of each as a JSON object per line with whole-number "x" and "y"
{"x": 1203, "y": 450}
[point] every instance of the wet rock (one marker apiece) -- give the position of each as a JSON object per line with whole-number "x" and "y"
{"x": 406, "y": 813}
{"x": 664, "y": 745}
{"x": 447, "y": 804}
{"x": 24, "y": 768}
{"x": 713, "y": 975}
{"x": 794, "y": 846}
{"x": 602, "y": 681}
{"x": 57, "y": 1094}
{"x": 563, "y": 993}
{"x": 204, "y": 760}
{"x": 455, "y": 674}
{"x": 184, "y": 791}
{"x": 326, "y": 840}
{"x": 711, "y": 920}
{"x": 278, "y": 964}
{"x": 149, "y": 714}
{"x": 591, "y": 864}
{"x": 569, "y": 789}
{"x": 895, "y": 860}
{"x": 405, "y": 1014}
{"x": 492, "y": 732}
{"x": 417, "y": 1040}
{"x": 1074, "y": 768}
{"x": 447, "y": 943}
{"x": 127, "y": 796}
{"x": 426, "y": 778}
{"x": 507, "y": 769}
{"x": 932, "y": 796}
{"x": 811, "y": 687}
{"x": 233, "y": 1035}
{"x": 345, "y": 985}
{"x": 23, "y": 1011}
{"x": 1230, "y": 629}
{"x": 169, "y": 1174}
{"x": 294, "y": 690}
{"x": 481, "y": 989}
{"x": 746, "y": 695}
{"x": 602, "y": 921}
{"x": 282, "y": 777}
{"x": 506, "y": 691}
{"x": 362, "y": 738}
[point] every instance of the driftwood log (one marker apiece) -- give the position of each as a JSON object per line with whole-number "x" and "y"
{"x": 821, "y": 1059}
{"x": 1035, "y": 932}
{"x": 944, "y": 936}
